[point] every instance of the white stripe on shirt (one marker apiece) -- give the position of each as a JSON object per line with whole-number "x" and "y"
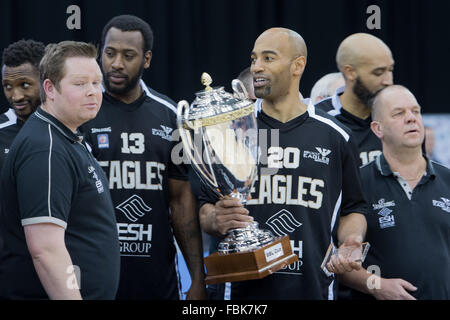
{"x": 50, "y": 170}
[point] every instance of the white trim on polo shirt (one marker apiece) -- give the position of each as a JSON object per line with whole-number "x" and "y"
{"x": 50, "y": 170}
{"x": 37, "y": 220}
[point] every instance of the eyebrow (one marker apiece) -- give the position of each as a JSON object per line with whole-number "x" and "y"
{"x": 266, "y": 52}
{"x": 19, "y": 78}
{"x": 80, "y": 76}
{"x": 123, "y": 50}
{"x": 404, "y": 107}
{"x": 383, "y": 68}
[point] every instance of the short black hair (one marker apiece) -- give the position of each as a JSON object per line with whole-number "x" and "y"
{"x": 23, "y": 51}
{"x": 130, "y": 23}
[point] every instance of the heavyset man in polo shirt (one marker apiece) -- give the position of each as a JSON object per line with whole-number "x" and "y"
{"x": 57, "y": 214}
{"x": 408, "y": 220}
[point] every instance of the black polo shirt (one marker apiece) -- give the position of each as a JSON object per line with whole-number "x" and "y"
{"x": 409, "y": 230}
{"x": 133, "y": 143}
{"x": 369, "y": 146}
{"x": 313, "y": 179}
{"x": 49, "y": 176}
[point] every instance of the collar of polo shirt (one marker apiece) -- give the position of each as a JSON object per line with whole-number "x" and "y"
{"x": 384, "y": 168}
{"x": 58, "y": 125}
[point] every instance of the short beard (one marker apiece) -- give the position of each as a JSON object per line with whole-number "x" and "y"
{"x": 129, "y": 85}
{"x": 262, "y": 92}
{"x": 361, "y": 92}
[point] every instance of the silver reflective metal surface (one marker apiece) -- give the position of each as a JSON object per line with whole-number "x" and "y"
{"x": 219, "y": 135}
{"x": 245, "y": 239}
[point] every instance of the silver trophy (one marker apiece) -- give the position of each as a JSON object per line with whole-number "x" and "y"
{"x": 220, "y": 138}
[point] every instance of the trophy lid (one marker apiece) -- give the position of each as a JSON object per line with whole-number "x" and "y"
{"x": 213, "y": 102}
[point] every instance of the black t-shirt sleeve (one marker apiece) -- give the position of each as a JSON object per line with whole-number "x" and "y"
{"x": 45, "y": 186}
{"x": 352, "y": 194}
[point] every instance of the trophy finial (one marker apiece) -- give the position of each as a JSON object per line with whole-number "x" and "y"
{"x": 206, "y": 81}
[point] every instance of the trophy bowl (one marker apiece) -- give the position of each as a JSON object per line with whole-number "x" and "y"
{"x": 220, "y": 139}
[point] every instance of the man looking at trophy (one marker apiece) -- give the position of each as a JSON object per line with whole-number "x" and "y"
{"x": 408, "y": 220}
{"x": 309, "y": 186}
{"x": 131, "y": 137}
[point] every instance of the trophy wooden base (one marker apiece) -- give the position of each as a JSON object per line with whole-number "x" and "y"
{"x": 250, "y": 265}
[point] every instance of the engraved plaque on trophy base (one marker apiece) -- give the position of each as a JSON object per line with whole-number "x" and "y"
{"x": 255, "y": 264}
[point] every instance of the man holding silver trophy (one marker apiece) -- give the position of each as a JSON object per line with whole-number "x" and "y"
{"x": 307, "y": 182}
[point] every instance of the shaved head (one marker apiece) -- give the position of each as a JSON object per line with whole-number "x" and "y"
{"x": 296, "y": 44}
{"x": 397, "y": 120}
{"x": 389, "y": 95}
{"x": 360, "y": 48}
{"x": 278, "y": 60}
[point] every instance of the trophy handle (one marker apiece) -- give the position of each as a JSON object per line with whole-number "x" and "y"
{"x": 239, "y": 89}
{"x": 188, "y": 145}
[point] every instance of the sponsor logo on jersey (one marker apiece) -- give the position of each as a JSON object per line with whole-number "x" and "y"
{"x": 98, "y": 182}
{"x": 383, "y": 204}
{"x": 165, "y": 133}
{"x": 103, "y": 141}
{"x": 319, "y": 156}
{"x": 444, "y": 204}
{"x": 134, "y": 208}
{"x": 99, "y": 130}
{"x": 386, "y": 218}
{"x": 282, "y": 223}
{"x": 295, "y": 269}
{"x": 135, "y": 238}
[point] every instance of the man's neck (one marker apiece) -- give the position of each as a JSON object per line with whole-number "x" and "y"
{"x": 353, "y": 105}
{"x": 284, "y": 109}
{"x": 21, "y": 118}
{"x": 49, "y": 108}
{"x": 408, "y": 162}
{"x": 128, "y": 97}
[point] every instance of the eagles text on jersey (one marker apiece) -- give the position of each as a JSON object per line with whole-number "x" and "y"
{"x": 133, "y": 144}
{"x": 307, "y": 177}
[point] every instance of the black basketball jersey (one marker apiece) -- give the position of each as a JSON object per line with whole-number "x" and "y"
{"x": 308, "y": 177}
{"x": 133, "y": 143}
{"x": 369, "y": 146}
{"x": 10, "y": 126}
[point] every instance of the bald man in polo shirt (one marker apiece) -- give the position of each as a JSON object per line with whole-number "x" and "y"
{"x": 408, "y": 220}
